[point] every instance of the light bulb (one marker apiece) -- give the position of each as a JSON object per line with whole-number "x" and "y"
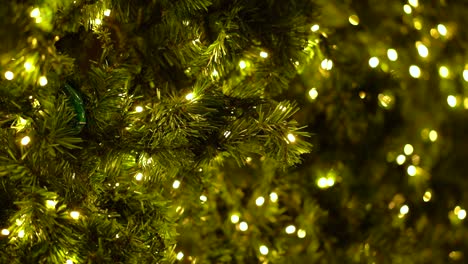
{"x": 465, "y": 75}
{"x": 9, "y": 75}
{"x": 35, "y": 13}
{"x": 353, "y": 20}
{"x": 414, "y": 71}
{"x": 50, "y": 204}
{"x": 75, "y": 214}
{"x": 139, "y": 109}
{"x": 273, "y": 197}
{"x": 42, "y": 81}
{"x": 444, "y": 72}
{"x": 25, "y": 140}
{"x": 322, "y": 182}
{"x": 427, "y": 196}
{"x": 301, "y": 233}
{"x": 433, "y": 135}
{"x": 414, "y": 3}
{"x": 234, "y": 218}
{"x": 442, "y": 29}
{"x": 107, "y": 12}
{"x": 422, "y": 49}
{"x": 315, "y": 28}
{"x": 242, "y": 64}
{"x": 264, "y": 54}
{"x": 243, "y": 226}
{"x": 290, "y": 229}
{"x": 97, "y": 21}
{"x": 374, "y": 62}
{"x": 407, "y": 9}
{"x": 5, "y": 232}
{"x": 180, "y": 255}
{"x": 291, "y": 138}
{"x": 189, "y": 96}
{"x": 176, "y": 184}
{"x": 400, "y": 159}
{"x": 451, "y": 101}
{"x": 392, "y": 54}
{"x": 263, "y": 250}
{"x": 260, "y": 201}
{"x": 139, "y": 176}
{"x": 313, "y": 93}
{"x": 411, "y": 170}
{"x": 404, "y": 209}
{"x": 408, "y": 149}
{"x": 461, "y": 214}
{"x": 203, "y": 198}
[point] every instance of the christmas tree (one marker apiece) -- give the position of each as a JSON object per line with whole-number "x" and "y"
{"x": 246, "y": 131}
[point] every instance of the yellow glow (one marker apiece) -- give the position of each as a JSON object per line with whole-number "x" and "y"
{"x": 451, "y": 101}
{"x": 139, "y": 109}
{"x": 408, "y": 149}
{"x": 404, "y": 209}
{"x": 35, "y": 13}
{"x": 9, "y": 75}
{"x": 465, "y": 103}
{"x": 322, "y": 182}
{"x": 301, "y": 233}
{"x": 291, "y": 138}
{"x": 97, "y": 21}
{"x": 290, "y": 229}
{"x": 315, "y": 28}
{"x": 203, "y": 198}
{"x": 190, "y": 96}
{"x": 374, "y": 62}
{"x": 362, "y": 94}
{"x": 353, "y": 20}
{"x": 242, "y": 64}
{"x": 326, "y": 64}
{"x": 400, "y": 159}
{"x": 465, "y": 75}
{"x": 264, "y": 54}
{"x": 176, "y": 184}
{"x": 139, "y": 176}
{"x": 263, "y": 250}
{"x": 28, "y": 66}
{"x": 42, "y": 81}
{"x": 234, "y": 218}
{"x": 21, "y": 233}
{"x": 107, "y": 12}
{"x": 414, "y": 71}
{"x": 433, "y": 135}
{"x": 442, "y": 29}
{"x": 461, "y": 214}
{"x": 313, "y": 93}
{"x": 417, "y": 24}
{"x": 69, "y": 261}
{"x": 25, "y": 140}
{"x": 411, "y": 170}
{"x": 75, "y": 214}
{"x": 422, "y": 49}
{"x": 444, "y": 72}
{"x": 180, "y": 255}
{"x": 273, "y": 197}
{"x": 215, "y": 73}
{"x": 407, "y": 9}
{"x": 50, "y": 204}
{"x": 427, "y": 196}
{"x": 5, "y": 232}
{"x": 392, "y": 54}
{"x": 243, "y": 226}
{"x": 330, "y": 182}
{"x": 457, "y": 209}
{"x": 414, "y": 3}
{"x": 260, "y": 201}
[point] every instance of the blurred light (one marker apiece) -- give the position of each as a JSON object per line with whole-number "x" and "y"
{"x": 414, "y": 71}
{"x": 434, "y": 33}
{"x": 264, "y": 54}
{"x": 176, "y": 184}
{"x": 457, "y": 209}
{"x": 408, "y": 149}
{"x": 50, "y": 204}
{"x": 456, "y": 255}
{"x": 417, "y": 24}
{"x": 422, "y": 49}
{"x": 353, "y": 20}
{"x": 260, "y": 201}
{"x": 242, "y": 64}
{"x": 190, "y": 96}
{"x": 69, "y": 261}
{"x": 362, "y": 94}
{"x": 273, "y": 197}
{"x": 263, "y": 250}
{"x": 291, "y": 138}
{"x": 139, "y": 109}
{"x": 243, "y": 226}
{"x": 444, "y": 72}
{"x": 97, "y": 21}
{"x": 330, "y": 182}
{"x": 139, "y": 176}
{"x": 21, "y": 233}
{"x": 28, "y": 66}
{"x": 215, "y": 73}
{"x": 9, "y": 75}
{"x": 75, "y": 214}
{"x": 385, "y": 100}
{"x": 407, "y": 9}
{"x": 411, "y": 170}
{"x": 35, "y": 13}
{"x": 42, "y": 81}
{"x": 465, "y": 103}
{"x": 326, "y": 64}
{"x": 442, "y": 29}
{"x": 313, "y": 93}
{"x": 451, "y": 101}
{"x": 322, "y": 182}
{"x": 400, "y": 159}
{"x": 433, "y": 135}
{"x": 315, "y": 28}
{"x": 180, "y": 255}
{"x": 25, "y": 140}
{"x": 107, "y": 12}
{"x": 226, "y": 133}
{"x": 461, "y": 214}
{"x": 5, "y": 232}
{"x": 301, "y": 233}
{"x": 374, "y": 62}
{"x": 234, "y": 218}
{"x": 427, "y": 196}
{"x": 404, "y": 209}
{"x": 392, "y": 54}
{"x": 38, "y": 20}
{"x": 465, "y": 75}
{"x": 203, "y": 198}
{"x": 414, "y": 3}
{"x": 290, "y": 229}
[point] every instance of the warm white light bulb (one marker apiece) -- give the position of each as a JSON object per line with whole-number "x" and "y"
{"x": 97, "y": 21}
{"x": 414, "y": 71}
{"x": 190, "y": 96}
{"x": 35, "y": 13}
{"x": 139, "y": 176}
{"x": 264, "y": 54}
{"x": 42, "y": 81}
{"x": 21, "y": 233}
{"x": 444, "y": 71}
{"x": 203, "y": 198}
{"x": 107, "y": 12}
{"x": 442, "y": 29}
{"x": 392, "y": 54}
{"x": 330, "y": 182}
{"x": 301, "y": 233}
{"x": 75, "y": 214}
{"x": 465, "y": 75}
{"x": 263, "y": 250}
{"x": 260, "y": 201}
{"x": 290, "y": 229}
{"x": 422, "y": 49}
{"x": 461, "y": 214}
{"x": 427, "y": 196}
{"x": 322, "y": 182}
{"x": 326, "y": 64}
{"x": 242, "y": 64}
{"x": 176, "y": 184}
{"x": 273, "y": 197}
{"x": 234, "y": 218}
{"x": 374, "y": 62}
{"x": 50, "y": 204}
{"x": 313, "y": 93}
{"x": 408, "y": 149}
{"x": 5, "y": 232}
{"x": 139, "y": 109}
{"x": 414, "y": 3}
{"x": 25, "y": 140}
{"x": 353, "y": 20}
{"x": 411, "y": 170}
{"x": 9, "y": 75}
{"x": 315, "y": 28}
{"x": 69, "y": 261}
{"x": 451, "y": 101}
{"x": 28, "y": 66}
{"x": 433, "y": 135}
{"x": 404, "y": 209}
{"x": 291, "y": 138}
{"x": 243, "y": 226}
{"x": 180, "y": 255}
{"x": 407, "y": 9}
{"x": 400, "y": 159}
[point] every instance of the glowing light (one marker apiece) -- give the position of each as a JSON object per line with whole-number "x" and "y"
{"x": 75, "y": 214}
{"x": 28, "y": 66}
{"x": 353, "y": 20}
{"x": 465, "y": 75}
{"x": 203, "y": 198}
{"x": 107, "y": 12}
{"x": 215, "y": 73}
{"x": 301, "y": 233}
{"x": 427, "y": 196}
{"x": 227, "y": 134}
{"x": 330, "y": 182}
{"x": 374, "y": 62}
{"x": 400, "y": 159}
{"x": 25, "y": 140}
{"x": 9, "y": 75}
{"x": 234, "y": 218}
{"x": 5, "y": 232}
{"x": 433, "y": 135}
{"x": 260, "y": 201}
{"x": 313, "y": 93}
{"x": 273, "y": 197}
{"x": 242, "y": 64}
{"x": 290, "y": 229}
{"x": 42, "y": 81}
{"x": 263, "y": 250}
{"x": 139, "y": 176}
{"x": 38, "y": 20}
{"x": 442, "y": 29}
{"x": 408, "y": 149}
{"x": 414, "y": 71}
{"x": 414, "y": 3}
{"x": 50, "y": 204}
{"x": 69, "y": 261}
{"x": 21, "y": 233}
{"x": 139, "y": 109}
{"x": 362, "y": 94}
{"x": 97, "y": 21}
{"x": 176, "y": 184}
{"x": 392, "y": 54}
{"x": 35, "y": 13}
{"x": 404, "y": 209}
{"x": 326, "y": 64}
{"x": 422, "y": 49}
{"x": 190, "y": 96}
{"x": 407, "y": 9}
{"x": 315, "y": 28}
{"x": 417, "y": 24}
{"x": 180, "y": 255}
{"x": 322, "y": 182}
{"x": 465, "y": 103}
{"x": 451, "y": 101}
{"x": 243, "y": 226}
{"x": 264, "y": 54}
{"x": 411, "y": 170}
{"x": 291, "y": 138}
{"x": 461, "y": 214}
{"x": 444, "y": 72}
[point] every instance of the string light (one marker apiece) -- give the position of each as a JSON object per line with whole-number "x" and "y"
{"x": 50, "y": 204}
{"x": 42, "y": 81}
{"x": 465, "y": 102}
{"x": 315, "y": 28}
{"x": 234, "y": 218}
{"x": 400, "y": 159}
{"x": 290, "y": 229}
{"x": 427, "y": 196}
{"x": 422, "y": 49}
{"x": 330, "y": 182}
{"x": 35, "y": 13}
{"x": 444, "y": 72}
{"x": 243, "y": 226}
{"x": 260, "y": 201}
{"x": 263, "y": 250}
{"x": 28, "y": 66}
{"x": 215, "y": 73}
{"x": 362, "y": 94}
{"x": 97, "y": 21}
{"x": 326, "y": 64}
{"x": 414, "y": 3}
{"x": 301, "y": 233}
{"x": 203, "y": 198}
{"x": 411, "y": 170}
{"x": 242, "y": 64}
{"x": 408, "y": 149}
{"x": 353, "y": 20}
{"x": 442, "y": 29}
{"x": 404, "y": 209}
{"x": 374, "y": 62}
{"x": 273, "y": 197}
{"x": 25, "y": 140}
{"x": 75, "y": 214}
{"x": 407, "y": 9}
{"x": 417, "y": 24}
{"x": 180, "y": 255}
{"x": 264, "y": 54}
{"x": 139, "y": 109}
{"x": 5, "y": 232}
{"x": 107, "y": 12}
{"x": 189, "y": 96}
{"x": 21, "y": 233}
{"x": 322, "y": 182}
{"x": 291, "y": 138}
{"x": 313, "y": 93}
{"x": 139, "y": 176}
{"x": 176, "y": 184}
{"x": 69, "y": 261}
{"x": 392, "y": 54}
{"x": 461, "y": 214}
{"x": 9, "y": 75}
{"x": 433, "y": 135}
{"x": 465, "y": 75}
{"x": 414, "y": 71}
{"x": 451, "y": 101}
